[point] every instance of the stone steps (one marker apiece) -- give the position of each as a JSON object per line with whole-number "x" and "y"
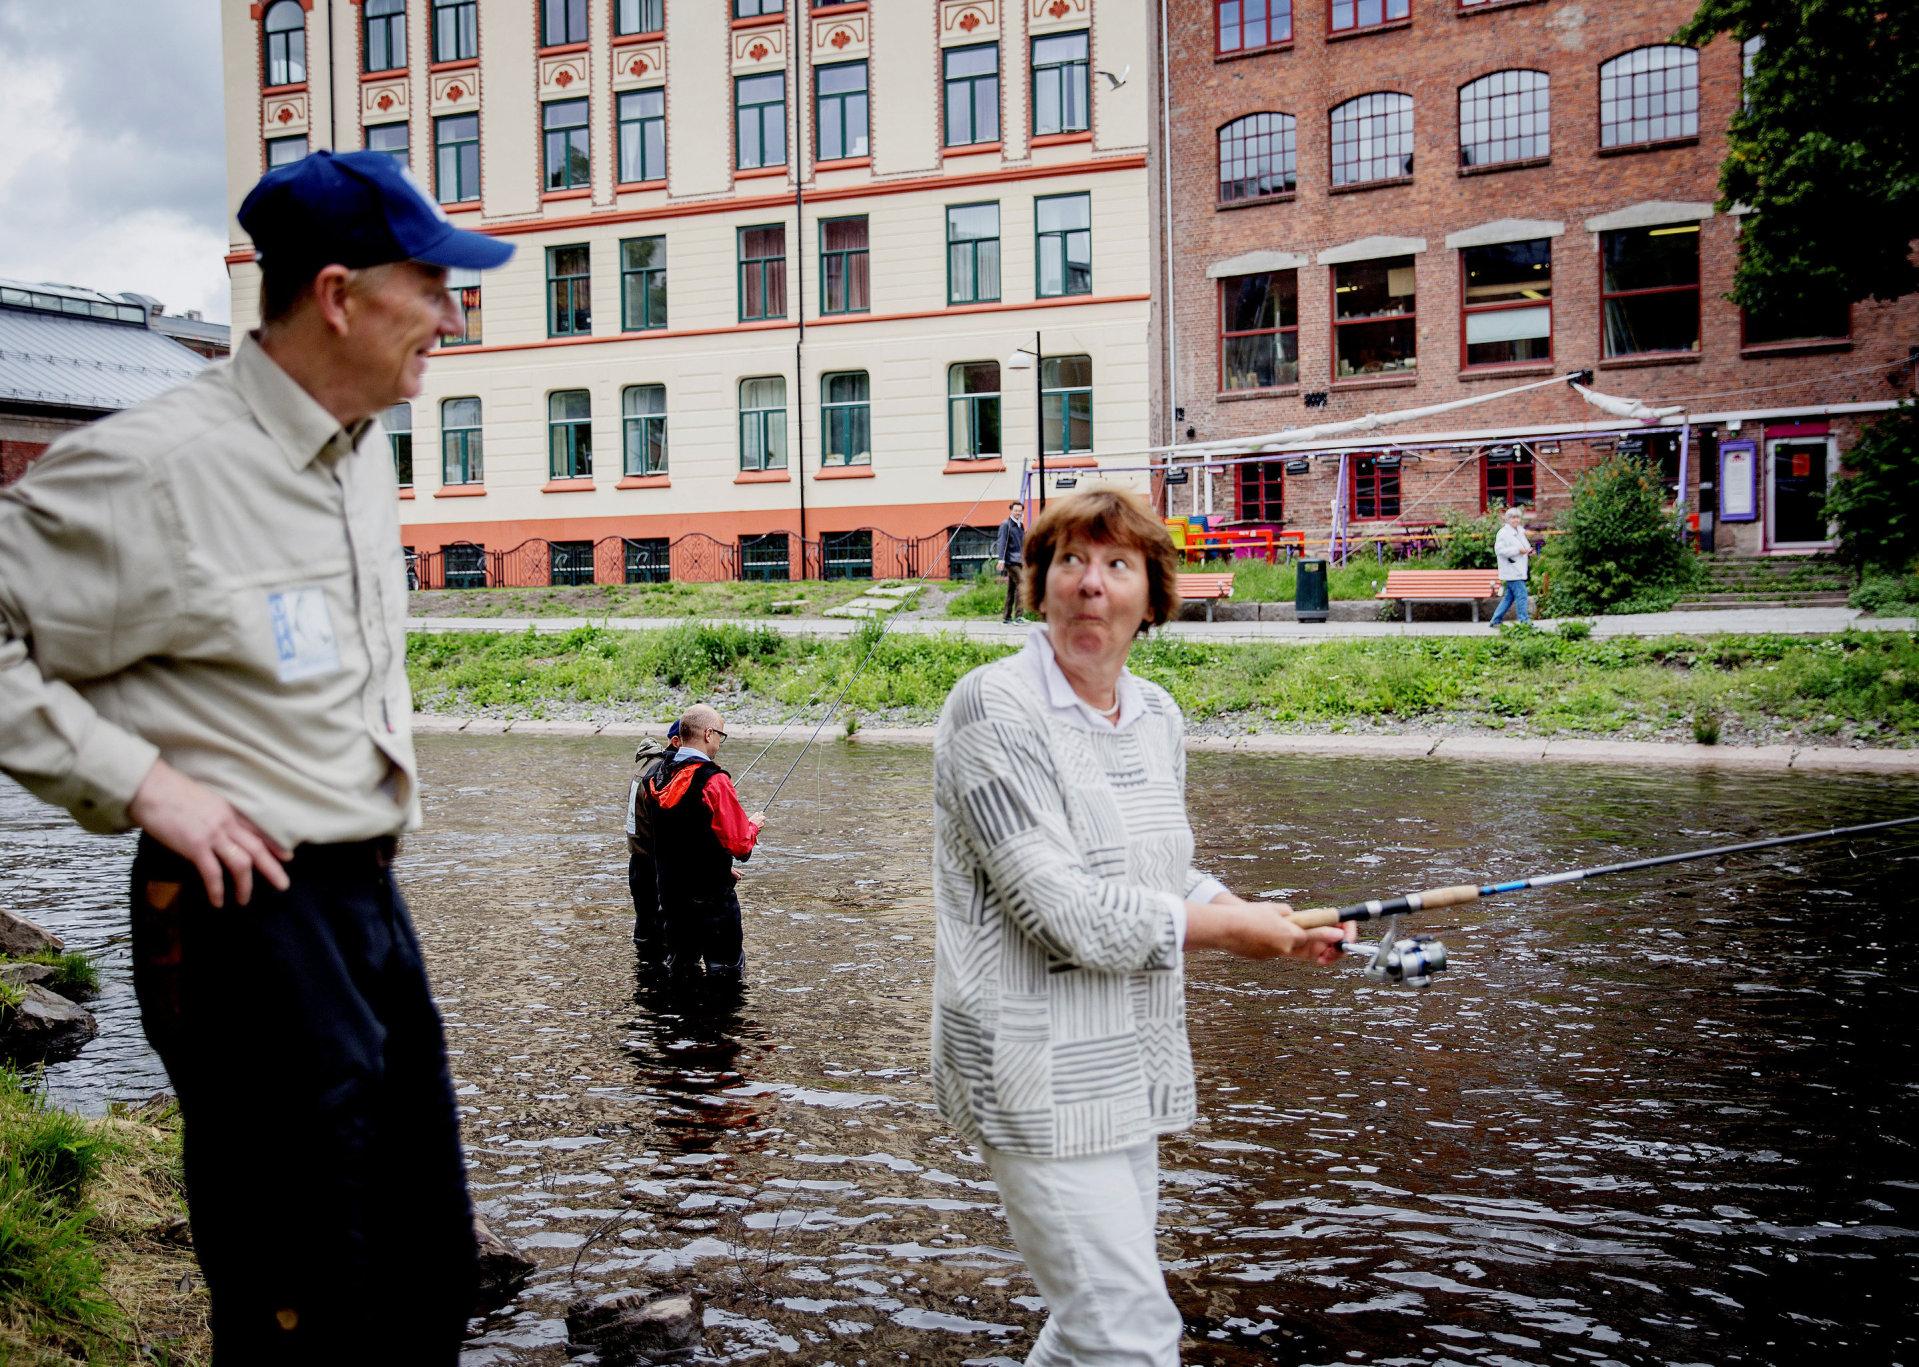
{"x": 1713, "y": 602}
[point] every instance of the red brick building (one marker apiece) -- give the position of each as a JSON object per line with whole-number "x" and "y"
{"x": 1380, "y": 205}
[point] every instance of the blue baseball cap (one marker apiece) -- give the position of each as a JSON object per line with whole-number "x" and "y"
{"x": 356, "y": 209}
{"x": 673, "y": 731}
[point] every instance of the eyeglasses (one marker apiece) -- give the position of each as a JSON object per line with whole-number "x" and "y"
{"x": 714, "y": 733}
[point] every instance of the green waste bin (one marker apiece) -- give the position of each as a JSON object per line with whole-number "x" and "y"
{"x": 1309, "y": 591}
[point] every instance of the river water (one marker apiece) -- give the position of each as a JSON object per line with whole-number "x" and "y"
{"x": 1667, "y": 1118}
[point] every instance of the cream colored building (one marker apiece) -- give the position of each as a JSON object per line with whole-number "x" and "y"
{"x": 1036, "y": 108}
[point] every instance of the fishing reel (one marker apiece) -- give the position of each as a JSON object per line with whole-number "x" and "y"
{"x": 1412, "y": 961}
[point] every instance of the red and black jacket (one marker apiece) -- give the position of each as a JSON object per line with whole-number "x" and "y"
{"x": 699, "y": 829}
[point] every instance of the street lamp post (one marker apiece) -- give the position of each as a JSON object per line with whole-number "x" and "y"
{"x": 1022, "y": 359}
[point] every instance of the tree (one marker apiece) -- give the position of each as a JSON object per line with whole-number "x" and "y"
{"x": 1877, "y": 505}
{"x": 1617, "y": 551}
{"x": 1823, "y": 152}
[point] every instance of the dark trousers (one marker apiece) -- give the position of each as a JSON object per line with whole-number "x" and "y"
{"x": 1012, "y": 592}
{"x": 649, "y": 931}
{"x": 322, "y": 1148}
{"x": 704, "y": 930}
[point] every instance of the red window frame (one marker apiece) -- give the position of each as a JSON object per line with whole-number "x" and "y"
{"x": 1277, "y": 330}
{"x": 1466, "y": 309}
{"x": 1379, "y": 480}
{"x": 1387, "y": 20}
{"x": 1266, "y": 501}
{"x": 1607, "y": 296}
{"x": 1271, "y": 44}
{"x": 1333, "y": 321}
{"x": 1526, "y": 462}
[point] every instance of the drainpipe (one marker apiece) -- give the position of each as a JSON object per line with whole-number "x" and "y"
{"x": 799, "y": 283}
{"x": 1167, "y": 313}
{"x": 332, "y": 85}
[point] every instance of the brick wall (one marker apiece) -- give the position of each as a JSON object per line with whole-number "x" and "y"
{"x": 1429, "y": 58}
{"x": 15, "y": 456}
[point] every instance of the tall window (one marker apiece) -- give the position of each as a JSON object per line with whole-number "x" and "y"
{"x": 643, "y": 428}
{"x": 1504, "y": 118}
{"x": 569, "y": 161}
{"x": 763, "y": 423}
{"x": 285, "y": 151}
{"x": 456, "y": 158}
{"x": 1349, "y": 15}
{"x": 286, "y": 38}
{"x": 972, "y": 94}
{"x": 398, "y": 422}
{"x": 763, "y": 272}
{"x": 642, "y": 135}
{"x": 1262, "y": 491}
{"x": 1375, "y": 486}
{"x": 1748, "y": 66}
{"x": 1064, "y": 232}
{"x": 639, "y": 16}
{"x": 1248, "y": 25}
{"x": 840, "y": 112}
{"x": 1507, "y": 305}
{"x": 569, "y": 434}
{"x": 1066, "y": 404}
{"x": 456, "y": 30}
{"x": 1059, "y": 84}
{"x": 846, "y": 419}
{"x": 1374, "y": 327}
{"x": 972, "y": 410}
{"x": 562, "y": 21}
{"x": 390, "y": 138}
{"x": 464, "y": 286}
{"x": 972, "y": 254}
{"x": 1827, "y": 320}
{"x": 1649, "y": 95}
{"x": 759, "y": 108}
{"x": 1373, "y": 139}
{"x": 460, "y": 442}
{"x": 1259, "y": 330}
{"x": 843, "y": 266}
{"x": 642, "y": 283}
{"x": 1650, "y": 289}
{"x": 569, "y": 293}
{"x": 753, "y": 9}
{"x": 384, "y": 28}
{"x": 1257, "y": 157}
{"x": 1506, "y": 476}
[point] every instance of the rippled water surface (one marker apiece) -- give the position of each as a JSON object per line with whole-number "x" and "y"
{"x": 1668, "y": 1118}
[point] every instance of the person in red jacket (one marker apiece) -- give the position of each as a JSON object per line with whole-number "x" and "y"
{"x": 699, "y": 829}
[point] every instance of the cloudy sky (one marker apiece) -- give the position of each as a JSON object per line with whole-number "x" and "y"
{"x": 112, "y": 168}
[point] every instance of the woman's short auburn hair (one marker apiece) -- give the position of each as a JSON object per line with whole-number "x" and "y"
{"x": 1108, "y": 515}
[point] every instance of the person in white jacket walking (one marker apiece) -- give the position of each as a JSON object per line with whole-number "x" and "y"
{"x": 1515, "y": 553}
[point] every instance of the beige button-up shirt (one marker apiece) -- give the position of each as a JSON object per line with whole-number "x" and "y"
{"x": 214, "y": 577}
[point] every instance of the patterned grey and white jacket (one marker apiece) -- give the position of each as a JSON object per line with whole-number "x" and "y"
{"x": 1062, "y": 862}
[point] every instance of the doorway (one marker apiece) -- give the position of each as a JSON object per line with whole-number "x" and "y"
{"x": 1799, "y": 471}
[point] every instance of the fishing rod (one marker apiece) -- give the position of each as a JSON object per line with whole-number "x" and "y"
{"x": 1412, "y": 961}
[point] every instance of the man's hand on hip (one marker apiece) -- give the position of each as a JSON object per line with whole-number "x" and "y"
{"x": 198, "y": 824}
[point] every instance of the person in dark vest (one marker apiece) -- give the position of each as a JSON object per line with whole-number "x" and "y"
{"x": 1009, "y": 548}
{"x": 699, "y": 829}
{"x": 642, "y": 879}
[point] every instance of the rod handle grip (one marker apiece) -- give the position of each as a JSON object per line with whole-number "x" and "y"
{"x": 1448, "y": 897}
{"x": 1314, "y": 917}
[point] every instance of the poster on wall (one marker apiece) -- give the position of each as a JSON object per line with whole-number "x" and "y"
{"x": 1738, "y": 481}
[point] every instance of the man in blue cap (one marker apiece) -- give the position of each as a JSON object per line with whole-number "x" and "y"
{"x": 202, "y": 635}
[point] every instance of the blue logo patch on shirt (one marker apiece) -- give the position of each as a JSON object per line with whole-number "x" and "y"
{"x": 303, "y": 637}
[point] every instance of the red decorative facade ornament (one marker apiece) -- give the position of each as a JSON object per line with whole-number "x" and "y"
{"x": 1059, "y": 9}
{"x": 638, "y": 66}
{"x": 840, "y": 38}
{"x": 757, "y": 52}
{"x": 564, "y": 79}
{"x": 969, "y": 20}
{"x": 455, "y": 92}
{"x": 385, "y": 102}
{"x": 285, "y": 115}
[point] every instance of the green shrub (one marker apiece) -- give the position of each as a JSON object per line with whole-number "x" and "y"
{"x": 1619, "y": 552}
{"x": 1575, "y": 630}
{"x": 1877, "y": 504}
{"x": 1469, "y": 540}
{"x": 983, "y": 596}
{"x": 1887, "y": 594}
{"x": 1705, "y": 725}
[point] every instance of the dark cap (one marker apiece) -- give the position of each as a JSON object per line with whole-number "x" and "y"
{"x": 356, "y": 209}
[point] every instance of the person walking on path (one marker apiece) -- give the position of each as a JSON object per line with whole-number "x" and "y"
{"x": 699, "y": 829}
{"x": 1065, "y": 901}
{"x": 1009, "y": 548}
{"x": 1515, "y": 553}
{"x": 202, "y": 635}
{"x": 642, "y": 877}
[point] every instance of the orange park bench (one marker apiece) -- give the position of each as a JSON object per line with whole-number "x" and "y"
{"x": 1440, "y": 586}
{"x": 1205, "y": 588}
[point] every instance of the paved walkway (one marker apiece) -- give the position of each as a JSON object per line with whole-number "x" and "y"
{"x": 1786, "y": 621}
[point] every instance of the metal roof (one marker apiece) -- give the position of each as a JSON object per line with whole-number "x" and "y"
{"x": 76, "y": 363}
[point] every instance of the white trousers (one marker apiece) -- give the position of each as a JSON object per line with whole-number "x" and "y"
{"x": 1088, "y": 1230}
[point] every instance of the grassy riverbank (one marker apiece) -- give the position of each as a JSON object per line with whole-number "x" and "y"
{"x": 94, "y": 1263}
{"x": 1853, "y": 687}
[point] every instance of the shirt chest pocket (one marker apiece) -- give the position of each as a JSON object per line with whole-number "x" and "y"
{"x": 293, "y": 625}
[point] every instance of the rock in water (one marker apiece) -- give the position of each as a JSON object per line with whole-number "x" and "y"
{"x": 635, "y": 1328}
{"x": 20, "y": 975}
{"x": 22, "y": 939}
{"x": 502, "y": 1271}
{"x": 44, "y": 1027}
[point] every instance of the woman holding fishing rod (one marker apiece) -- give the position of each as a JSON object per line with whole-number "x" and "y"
{"x": 1065, "y": 895}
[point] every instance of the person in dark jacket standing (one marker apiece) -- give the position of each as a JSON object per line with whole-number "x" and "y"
{"x": 1009, "y": 548}
{"x": 642, "y": 878}
{"x": 699, "y": 829}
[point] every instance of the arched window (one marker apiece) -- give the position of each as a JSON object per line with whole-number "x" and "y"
{"x": 286, "y": 35}
{"x": 1503, "y": 117}
{"x": 1373, "y": 138}
{"x": 1649, "y": 95}
{"x": 385, "y": 28}
{"x": 1257, "y": 157}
